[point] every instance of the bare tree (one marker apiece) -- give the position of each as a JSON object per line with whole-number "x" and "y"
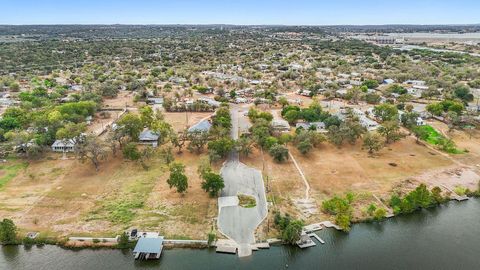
{"x": 93, "y": 149}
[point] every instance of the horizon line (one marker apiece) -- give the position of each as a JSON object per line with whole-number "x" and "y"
{"x": 227, "y": 24}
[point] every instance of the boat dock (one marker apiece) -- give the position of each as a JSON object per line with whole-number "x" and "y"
{"x": 314, "y": 235}
{"x": 319, "y": 226}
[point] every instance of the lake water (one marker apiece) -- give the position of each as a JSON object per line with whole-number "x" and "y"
{"x": 447, "y": 237}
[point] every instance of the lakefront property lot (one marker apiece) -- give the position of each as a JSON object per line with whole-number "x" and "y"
{"x": 65, "y": 197}
{"x": 331, "y": 171}
{"x": 62, "y": 197}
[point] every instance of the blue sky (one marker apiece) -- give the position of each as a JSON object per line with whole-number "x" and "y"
{"x": 288, "y": 12}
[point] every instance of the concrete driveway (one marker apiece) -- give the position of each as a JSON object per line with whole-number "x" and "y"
{"x": 236, "y": 222}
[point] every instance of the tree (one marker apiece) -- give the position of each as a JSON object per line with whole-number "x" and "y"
{"x": 123, "y": 241}
{"x": 91, "y": 148}
{"x": 371, "y": 84}
{"x": 336, "y": 135}
{"x": 409, "y": 119}
{"x": 131, "y": 152}
{"x": 353, "y": 95}
{"x": 8, "y": 232}
{"x": 112, "y": 143}
{"x": 291, "y": 234}
{"x": 279, "y": 152}
{"x": 372, "y": 98}
{"x": 131, "y": 125}
{"x": 167, "y": 155}
{"x": 463, "y": 93}
{"x": 385, "y": 112}
{"x": 198, "y": 140}
{"x": 435, "y": 109}
{"x": 283, "y": 101}
{"x": 178, "y": 140}
{"x": 437, "y": 195}
{"x": 305, "y": 146}
{"x": 420, "y": 133}
{"x": 353, "y": 130}
{"x": 212, "y": 183}
{"x": 380, "y": 213}
{"x": 373, "y": 142}
{"x": 220, "y": 148}
{"x": 291, "y": 116}
{"x": 71, "y": 131}
{"x": 107, "y": 89}
{"x": 244, "y": 146}
{"x": 146, "y": 116}
{"x": 177, "y": 178}
{"x": 390, "y": 130}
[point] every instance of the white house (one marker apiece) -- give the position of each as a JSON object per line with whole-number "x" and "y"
{"x": 63, "y": 146}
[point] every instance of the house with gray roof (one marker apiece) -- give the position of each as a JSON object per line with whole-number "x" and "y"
{"x": 148, "y": 137}
{"x": 63, "y": 146}
{"x": 202, "y": 126}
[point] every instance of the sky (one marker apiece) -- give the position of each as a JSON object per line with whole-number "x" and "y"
{"x": 244, "y": 12}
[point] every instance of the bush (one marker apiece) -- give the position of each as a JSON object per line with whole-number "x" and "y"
{"x": 123, "y": 241}
{"x": 212, "y": 237}
{"x": 341, "y": 208}
{"x": 419, "y": 198}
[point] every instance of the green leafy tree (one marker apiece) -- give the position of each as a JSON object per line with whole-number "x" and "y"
{"x": 123, "y": 241}
{"x": 390, "y": 130}
{"x": 373, "y": 142}
{"x": 380, "y": 213}
{"x": 8, "y": 232}
{"x": 244, "y": 146}
{"x": 279, "y": 152}
{"x": 198, "y": 140}
{"x": 177, "y": 178}
{"x": 212, "y": 183}
{"x": 386, "y": 112}
{"x": 291, "y": 234}
{"x": 131, "y": 125}
{"x": 131, "y": 152}
{"x": 221, "y": 147}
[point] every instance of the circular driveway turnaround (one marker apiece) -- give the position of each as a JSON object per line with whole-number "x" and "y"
{"x": 236, "y": 222}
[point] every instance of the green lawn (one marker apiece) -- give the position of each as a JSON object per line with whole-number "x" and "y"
{"x": 10, "y": 171}
{"x": 433, "y": 137}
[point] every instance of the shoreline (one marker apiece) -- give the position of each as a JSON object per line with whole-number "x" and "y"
{"x": 175, "y": 244}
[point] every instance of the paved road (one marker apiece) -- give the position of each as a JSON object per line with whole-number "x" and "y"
{"x": 235, "y": 222}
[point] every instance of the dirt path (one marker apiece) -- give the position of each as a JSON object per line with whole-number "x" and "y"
{"x": 302, "y": 175}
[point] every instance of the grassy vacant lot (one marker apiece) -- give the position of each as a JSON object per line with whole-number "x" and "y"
{"x": 70, "y": 198}
{"x": 9, "y": 170}
{"x": 334, "y": 171}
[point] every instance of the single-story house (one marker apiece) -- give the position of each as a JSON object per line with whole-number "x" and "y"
{"x": 306, "y": 93}
{"x": 280, "y": 125}
{"x": 202, "y": 126}
{"x": 148, "y": 137}
{"x": 319, "y": 126}
{"x": 63, "y": 146}
{"x": 415, "y": 82}
{"x": 210, "y": 102}
{"x": 155, "y": 100}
